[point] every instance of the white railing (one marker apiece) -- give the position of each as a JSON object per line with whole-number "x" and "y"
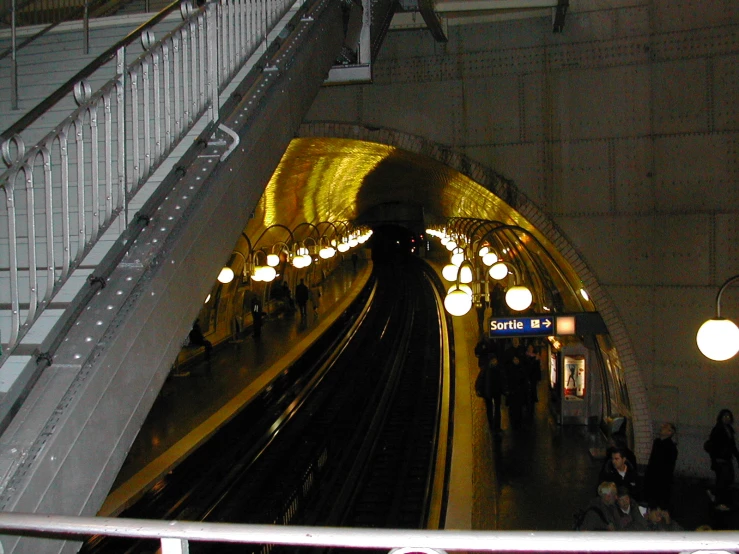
{"x": 62, "y": 193}
{"x": 175, "y": 536}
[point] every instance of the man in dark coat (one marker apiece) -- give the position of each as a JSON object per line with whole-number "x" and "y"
{"x": 301, "y": 298}
{"x": 660, "y": 469}
{"x": 490, "y": 386}
{"x": 723, "y": 451}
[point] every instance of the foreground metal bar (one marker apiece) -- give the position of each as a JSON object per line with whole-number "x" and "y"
{"x": 483, "y": 541}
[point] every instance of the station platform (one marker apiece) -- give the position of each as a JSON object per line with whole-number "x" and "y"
{"x": 531, "y": 478}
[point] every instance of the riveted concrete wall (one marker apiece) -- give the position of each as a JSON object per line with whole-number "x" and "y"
{"x": 623, "y": 131}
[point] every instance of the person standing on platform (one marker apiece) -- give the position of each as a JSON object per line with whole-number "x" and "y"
{"x": 315, "y": 299}
{"x": 533, "y": 370}
{"x": 518, "y": 390}
{"x": 197, "y": 338}
{"x": 661, "y": 468}
{"x": 489, "y": 386}
{"x": 302, "y": 293}
{"x": 257, "y": 315}
{"x": 722, "y": 449}
{"x": 287, "y": 296}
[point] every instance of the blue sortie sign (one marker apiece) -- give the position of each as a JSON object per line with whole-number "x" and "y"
{"x": 521, "y": 326}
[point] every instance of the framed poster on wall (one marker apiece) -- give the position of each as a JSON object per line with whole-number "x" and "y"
{"x": 574, "y": 377}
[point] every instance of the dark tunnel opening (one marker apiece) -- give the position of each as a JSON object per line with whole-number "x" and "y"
{"x": 391, "y": 243}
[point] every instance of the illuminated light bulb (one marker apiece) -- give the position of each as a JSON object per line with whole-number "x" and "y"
{"x": 499, "y": 271}
{"x": 458, "y": 258}
{"x": 226, "y": 275}
{"x": 466, "y": 288}
{"x": 585, "y": 295}
{"x": 518, "y": 298}
{"x": 268, "y": 273}
{"x": 343, "y": 247}
{"x": 207, "y": 299}
{"x": 451, "y": 245}
{"x": 449, "y": 272}
{"x": 273, "y": 260}
{"x": 484, "y": 250}
{"x": 489, "y": 258}
{"x": 458, "y": 302}
{"x": 465, "y": 274}
{"x": 718, "y": 339}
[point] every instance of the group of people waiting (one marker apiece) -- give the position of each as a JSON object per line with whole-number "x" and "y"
{"x": 622, "y": 503}
{"x": 510, "y": 370}
{"x": 614, "y": 509}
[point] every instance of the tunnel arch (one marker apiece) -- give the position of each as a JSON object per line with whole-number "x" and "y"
{"x": 507, "y": 191}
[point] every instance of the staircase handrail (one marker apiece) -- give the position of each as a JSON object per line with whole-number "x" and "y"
{"x": 80, "y": 13}
{"x": 42, "y": 107}
{"x": 62, "y": 194}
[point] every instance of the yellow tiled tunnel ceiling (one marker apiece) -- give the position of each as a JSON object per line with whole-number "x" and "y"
{"x": 345, "y": 180}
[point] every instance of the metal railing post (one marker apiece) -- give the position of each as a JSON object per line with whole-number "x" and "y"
{"x": 175, "y": 546}
{"x": 213, "y": 41}
{"x": 86, "y": 28}
{"x": 13, "y": 58}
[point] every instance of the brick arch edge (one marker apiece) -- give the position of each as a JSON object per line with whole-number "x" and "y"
{"x": 508, "y": 192}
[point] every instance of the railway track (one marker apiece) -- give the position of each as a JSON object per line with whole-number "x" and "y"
{"x": 350, "y": 438}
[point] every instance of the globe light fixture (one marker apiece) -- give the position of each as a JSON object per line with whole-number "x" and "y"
{"x": 499, "y": 271}
{"x": 518, "y": 298}
{"x": 268, "y": 273}
{"x": 226, "y": 275}
{"x": 273, "y": 260}
{"x": 466, "y": 288}
{"x": 326, "y": 252}
{"x": 458, "y": 302}
{"x": 465, "y": 273}
{"x": 489, "y": 258}
{"x": 457, "y": 256}
{"x": 449, "y": 272}
{"x": 718, "y": 338}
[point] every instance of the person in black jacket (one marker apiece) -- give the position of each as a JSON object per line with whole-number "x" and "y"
{"x": 620, "y": 472}
{"x": 301, "y": 298}
{"x": 660, "y": 469}
{"x": 490, "y": 386}
{"x": 723, "y": 451}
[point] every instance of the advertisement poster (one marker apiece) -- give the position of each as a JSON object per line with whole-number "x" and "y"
{"x": 574, "y": 377}
{"x": 552, "y": 369}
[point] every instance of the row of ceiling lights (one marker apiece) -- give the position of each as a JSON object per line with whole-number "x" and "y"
{"x": 261, "y": 263}
{"x": 461, "y": 271}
